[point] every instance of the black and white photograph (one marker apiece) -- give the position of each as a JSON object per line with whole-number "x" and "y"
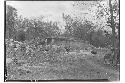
{"x": 62, "y": 41}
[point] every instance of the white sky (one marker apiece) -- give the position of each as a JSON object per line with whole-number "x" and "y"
{"x": 37, "y": 8}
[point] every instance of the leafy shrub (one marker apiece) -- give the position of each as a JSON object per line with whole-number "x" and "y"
{"x": 20, "y": 36}
{"x": 98, "y": 39}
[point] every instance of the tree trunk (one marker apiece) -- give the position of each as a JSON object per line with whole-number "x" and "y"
{"x": 113, "y": 33}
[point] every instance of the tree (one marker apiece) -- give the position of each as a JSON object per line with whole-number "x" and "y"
{"x": 11, "y": 16}
{"x": 39, "y": 29}
{"x": 113, "y": 26}
{"x": 112, "y": 15}
{"x": 69, "y": 27}
{"x": 81, "y": 30}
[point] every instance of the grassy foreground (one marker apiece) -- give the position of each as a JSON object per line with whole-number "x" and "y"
{"x": 24, "y": 61}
